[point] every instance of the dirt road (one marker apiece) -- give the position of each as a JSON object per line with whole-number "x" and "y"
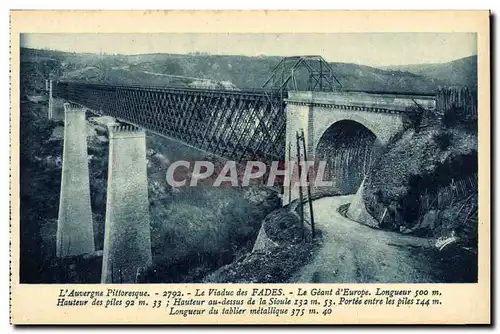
{"x": 355, "y": 253}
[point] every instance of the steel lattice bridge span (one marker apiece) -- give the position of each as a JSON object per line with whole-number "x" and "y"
{"x": 336, "y": 126}
{"x": 238, "y": 125}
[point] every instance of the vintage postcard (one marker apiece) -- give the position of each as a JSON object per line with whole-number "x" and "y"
{"x": 250, "y": 167}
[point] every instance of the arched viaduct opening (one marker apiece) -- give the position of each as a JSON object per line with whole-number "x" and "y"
{"x": 346, "y": 147}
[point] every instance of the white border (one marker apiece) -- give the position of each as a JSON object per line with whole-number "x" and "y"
{"x": 190, "y": 4}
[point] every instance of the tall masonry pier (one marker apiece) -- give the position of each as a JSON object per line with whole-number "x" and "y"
{"x": 75, "y": 234}
{"x": 127, "y": 241}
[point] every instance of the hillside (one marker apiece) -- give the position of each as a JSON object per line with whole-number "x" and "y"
{"x": 214, "y": 71}
{"x": 204, "y": 234}
{"x": 424, "y": 182}
{"x": 460, "y": 72}
{"x": 193, "y": 230}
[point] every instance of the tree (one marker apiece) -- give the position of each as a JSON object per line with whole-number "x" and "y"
{"x": 48, "y": 69}
{"x": 172, "y": 67}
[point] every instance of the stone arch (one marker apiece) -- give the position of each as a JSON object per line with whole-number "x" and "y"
{"x": 379, "y": 124}
{"x": 346, "y": 146}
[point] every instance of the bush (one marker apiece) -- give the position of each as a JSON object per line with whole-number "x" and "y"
{"x": 443, "y": 140}
{"x": 265, "y": 266}
{"x": 413, "y": 118}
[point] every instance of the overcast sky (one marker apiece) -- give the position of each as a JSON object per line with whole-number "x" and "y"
{"x": 374, "y": 49}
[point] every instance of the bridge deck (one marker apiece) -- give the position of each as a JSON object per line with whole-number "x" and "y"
{"x": 239, "y": 125}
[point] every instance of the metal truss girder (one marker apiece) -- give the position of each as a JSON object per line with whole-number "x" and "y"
{"x": 238, "y": 125}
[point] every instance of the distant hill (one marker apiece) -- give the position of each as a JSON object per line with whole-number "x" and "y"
{"x": 229, "y": 71}
{"x": 460, "y": 72}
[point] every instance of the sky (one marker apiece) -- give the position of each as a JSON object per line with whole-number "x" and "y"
{"x": 373, "y": 49}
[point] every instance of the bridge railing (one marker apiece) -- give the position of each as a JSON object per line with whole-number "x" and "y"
{"x": 173, "y": 89}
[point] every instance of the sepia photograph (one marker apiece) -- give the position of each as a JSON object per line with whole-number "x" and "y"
{"x": 135, "y": 149}
{"x": 202, "y": 172}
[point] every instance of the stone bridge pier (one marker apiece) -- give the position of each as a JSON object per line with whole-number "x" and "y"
{"x": 343, "y": 129}
{"x": 75, "y": 233}
{"x": 127, "y": 240}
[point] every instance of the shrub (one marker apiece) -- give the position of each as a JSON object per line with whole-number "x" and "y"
{"x": 413, "y": 118}
{"x": 443, "y": 140}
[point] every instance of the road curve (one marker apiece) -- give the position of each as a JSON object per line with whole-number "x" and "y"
{"x": 354, "y": 253}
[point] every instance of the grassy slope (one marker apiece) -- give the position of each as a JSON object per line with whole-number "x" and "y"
{"x": 460, "y": 72}
{"x": 416, "y": 163}
{"x": 270, "y": 265}
{"x": 242, "y": 71}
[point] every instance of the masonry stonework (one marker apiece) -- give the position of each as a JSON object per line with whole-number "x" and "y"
{"x": 316, "y": 112}
{"x": 127, "y": 240}
{"x": 75, "y": 234}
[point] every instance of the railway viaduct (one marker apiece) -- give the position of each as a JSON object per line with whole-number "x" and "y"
{"x": 339, "y": 127}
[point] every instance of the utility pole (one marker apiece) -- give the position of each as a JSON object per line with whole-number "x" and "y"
{"x": 51, "y": 101}
{"x": 290, "y": 173}
{"x": 311, "y": 213}
{"x": 301, "y": 196}
{"x": 320, "y": 75}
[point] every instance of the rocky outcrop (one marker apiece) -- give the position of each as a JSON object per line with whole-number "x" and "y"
{"x": 357, "y": 209}
{"x": 263, "y": 241}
